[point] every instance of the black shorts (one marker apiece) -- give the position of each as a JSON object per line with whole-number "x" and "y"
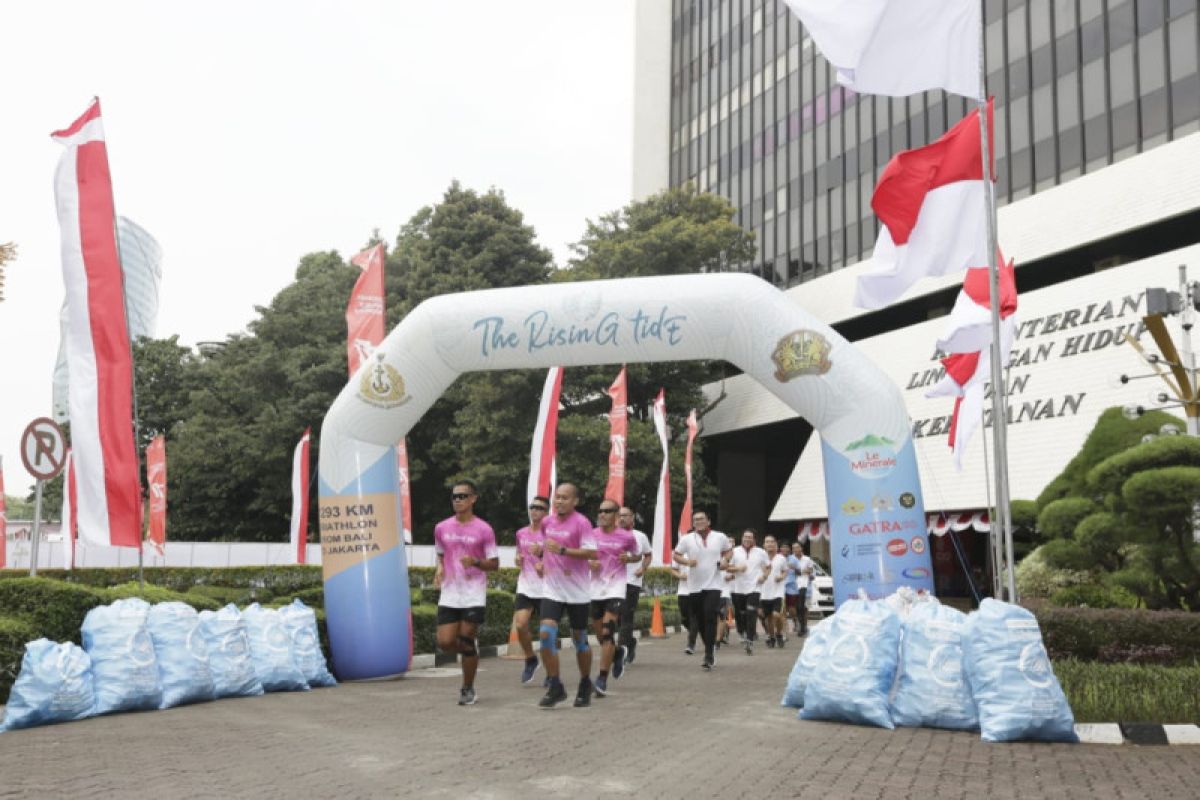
{"x": 793, "y": 600}
{"x": 723, "y": 605}
{"x": 612, "y": 605}
{"x": 771, "y": 606}
{"x": 447, "y": 615}
{"x": 524, "y": 601}
{"x": 577, "y": 613}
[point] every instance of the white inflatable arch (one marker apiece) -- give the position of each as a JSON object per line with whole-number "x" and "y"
{"x": 871, "y": 479}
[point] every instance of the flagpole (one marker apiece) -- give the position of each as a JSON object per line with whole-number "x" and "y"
{"x": 999, "y": 417}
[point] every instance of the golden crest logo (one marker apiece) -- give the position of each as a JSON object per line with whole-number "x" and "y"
{"x": 382, "y": 385}
{"x": 801, "y": 352}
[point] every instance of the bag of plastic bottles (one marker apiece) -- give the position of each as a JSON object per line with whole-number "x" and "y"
{"x": 124, "y": 666}
{"x": 271, "y": 650}
{"x": 301, "y": 624}
{"x": 182, "y": 653}
{"x": 809, "y": 660}
{"x": 55, "y": 685}
{"x": 229, "y": 653}
{"x": 856, "y": 674}
{"x": 932, "y": 689}
{"x": 1016, "y": 693}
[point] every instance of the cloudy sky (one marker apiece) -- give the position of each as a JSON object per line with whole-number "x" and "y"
{"x": 244, "y": 135}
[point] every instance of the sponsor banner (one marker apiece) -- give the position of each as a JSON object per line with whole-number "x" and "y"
{"x": 876, "y": 518}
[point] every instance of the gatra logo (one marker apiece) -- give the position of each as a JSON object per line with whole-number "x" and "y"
{"x": 381, "y": 385}
{"x": 852, "y": 507}
{"x": 801, "y": 352}
{"x": 908, "y": 500}
{"x": 897, "y": 547}
{"x": 916, "y": 572}
{"x": 917, "y": 544}
{"x": 871, "y": 456}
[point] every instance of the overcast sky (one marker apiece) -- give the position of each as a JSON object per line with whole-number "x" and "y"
{"x": 243, "y": 135}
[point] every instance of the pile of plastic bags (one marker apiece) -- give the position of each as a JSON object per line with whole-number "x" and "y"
{"x": 908, "y": 660}
{"x": 138, "y": 656}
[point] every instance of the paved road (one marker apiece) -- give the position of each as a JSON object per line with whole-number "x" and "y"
{"x": 666, "y": 730}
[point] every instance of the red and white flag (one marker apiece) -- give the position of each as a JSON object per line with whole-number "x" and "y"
{"x": 405, "y": 489}
{"x": 98, "y": 354}
{"x": 3, "y": 520}
{"x": 541, "y": 454}
{"x": 660, "y": 542}
{"x": 70, "y": 527}
{"x": 897, "y": 47}
{"x": 685, "y": 514}
{"x": 299, "y": 532}
{"x": 156, "y": 476}
{"x": 969, "y": 326}
{"x": 930, "y": 202}
{"x": 618, "y": 428}
{"x": 365, "y": 312}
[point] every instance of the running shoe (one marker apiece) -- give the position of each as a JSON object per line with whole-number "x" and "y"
{"x": 554, "y": 695}
{"x": 466, "y": 697}
{"x": 531, "y": 665}
{"x": 780, "y": 641}
{"x": 749, "y": 648}
{"x": 632, "y": 652}
{"x": 601, "y": 685}
{"x": 583, "y": 698}
{"x": 618, "y": 665}
{"x": 706, "y": 665}
{"x": 690, "y": 649}
{"x": 770, "y": 641}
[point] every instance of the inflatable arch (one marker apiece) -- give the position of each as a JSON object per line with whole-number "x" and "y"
{"x": 876, "y": 513}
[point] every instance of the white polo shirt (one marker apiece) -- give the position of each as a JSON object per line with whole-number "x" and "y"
{"x": 707, "y": 552}
{"x": 754, "y": 561}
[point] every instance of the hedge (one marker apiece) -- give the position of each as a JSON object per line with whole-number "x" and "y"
{"x": 275, "y": 580}
{"x": 1121, "y": 635}
{"x": 14, "y": 633}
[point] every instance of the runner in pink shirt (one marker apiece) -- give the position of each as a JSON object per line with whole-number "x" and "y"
{"x": 466, "y": 550}
{"x": 529, "y": 582}
{"x": 569, "y": 544}
{"x": 615, "y": 547}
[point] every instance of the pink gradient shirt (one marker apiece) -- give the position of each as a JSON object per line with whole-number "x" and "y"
{"x": 566, "y": 579}
{"x": 463, "y": 587}
{"x": 529, "y": 583}
{"x": 609, "y": 581}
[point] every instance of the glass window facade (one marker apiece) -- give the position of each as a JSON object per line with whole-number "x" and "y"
{"x": 757, "y": 117}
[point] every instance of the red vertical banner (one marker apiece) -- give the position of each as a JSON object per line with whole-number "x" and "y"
{"x": 545, "y": 431}
{"x": 365, "y": 312}
{"x": 618, "y": 426}
{"x": 3, "y": 520}
{"x": 405, "y": 490}
{"x": 156, "y": 476}
{"x": 685, "y": 514}
{"x": 299, "y": 524}
{"x": 660, "y": 542}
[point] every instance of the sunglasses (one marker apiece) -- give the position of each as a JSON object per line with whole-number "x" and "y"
{"x": 536, "y": 507}
{"x": 459, "y": 496}
{"x": 608, "y": 511}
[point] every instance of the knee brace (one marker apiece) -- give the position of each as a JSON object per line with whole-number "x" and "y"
{"x": 608, "y": 630}
{"x": 466, "y": 646}
{"x": 581, "y": 641}
{"x": 548, "y": 633}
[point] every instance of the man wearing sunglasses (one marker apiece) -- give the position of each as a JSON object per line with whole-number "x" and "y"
{"x": 633, "y": 586}
{"x": 529, "y": 582}
{"x": 466, "y": 551}
{"x": 615, "y": 547}
{"x": 569, "y": 545}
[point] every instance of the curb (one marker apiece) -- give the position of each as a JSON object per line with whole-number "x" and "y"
{"x": 1137, "y": 733}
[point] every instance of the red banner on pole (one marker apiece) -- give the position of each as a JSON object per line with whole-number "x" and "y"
{"x": 405, "y": 490}
{"x": 542, "y": 449}
{"x": 156, "y": 476}
{"x": 299, "y": 525}
{"x": 685, "y": 514}
{"x": 365, "y": 312}
{"x": 660, "y": 542}
{"x": 618, "y": 425}
{"x": 3, "y": 520}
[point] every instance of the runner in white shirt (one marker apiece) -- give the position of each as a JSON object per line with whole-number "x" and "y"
{"x": 633, "y": 585}
{"x": 681, "y": 596}
{"x": 802, "y": 565}
{"x": 773, "y": 577}
{"x": 705, "y": 553}
{"x": 746, "y": 565}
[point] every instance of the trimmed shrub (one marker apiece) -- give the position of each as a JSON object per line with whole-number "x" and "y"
{"x": 424, "y": 628}
{"x": 222, "y": 594}
{"x": 1121, "y": 635}
{"x": 54, "y": 609}
{"x": 157, "y": 594}
{"x": 276, "y": 580}
{"x": 14, "y": 633}
{"x": 1094, "y": 596}
{"x": 1036, "y": 578}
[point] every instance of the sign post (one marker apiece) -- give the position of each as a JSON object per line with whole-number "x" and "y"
{"x": 43, "y": 452}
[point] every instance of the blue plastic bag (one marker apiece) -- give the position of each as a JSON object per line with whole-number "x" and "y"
{"x": 1016, "y": 692}
{"x": 932, "y": 689}
{"x": 301, "y": 624}
{"x": 853, "y": 680}
{"x": 55, "y": 685}
{"x": 271, "y": 650}
{"x": 124, "y": 667}
{"x": 809, "y": 660}
{"x": 182, "y": 654}
{"x": 229, "y": 653}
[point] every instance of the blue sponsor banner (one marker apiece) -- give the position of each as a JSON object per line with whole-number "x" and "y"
{"x": 877, "y": 534}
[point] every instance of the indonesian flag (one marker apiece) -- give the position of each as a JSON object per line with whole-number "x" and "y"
{"x": 969, "y": 326}
{"x": 364, "y": 313}
{"x": 299, "y": 533}
{"x": 156, "y": 476}
{"x": 897, "y": 47}
{"x": 70, "y": 527}
{"x": 98, "y": 355}
{"x": 685, "y": 514}
{"x": 660, "y": 542}
{"x": 541, "y": 454}
{"x": 931, "y": 203}
{"x": 405, "y": 489}
{"x": 3, "y": 520}
{"x": 618, "y": 427}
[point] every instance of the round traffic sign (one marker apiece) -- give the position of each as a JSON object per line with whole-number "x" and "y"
{"x": 43, "y": 448}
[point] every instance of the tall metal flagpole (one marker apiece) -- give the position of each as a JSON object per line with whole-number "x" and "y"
{"x": 999, "y": 417}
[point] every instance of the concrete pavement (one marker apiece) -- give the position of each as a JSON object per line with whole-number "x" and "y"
{"x": 666, "y": 730}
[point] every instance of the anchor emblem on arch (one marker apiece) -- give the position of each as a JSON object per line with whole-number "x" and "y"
{"x": 382, "y": 385}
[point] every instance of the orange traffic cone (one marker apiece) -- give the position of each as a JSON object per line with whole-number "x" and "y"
{"x": 657, "y": 629}
{"x": 514, "y": 650}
